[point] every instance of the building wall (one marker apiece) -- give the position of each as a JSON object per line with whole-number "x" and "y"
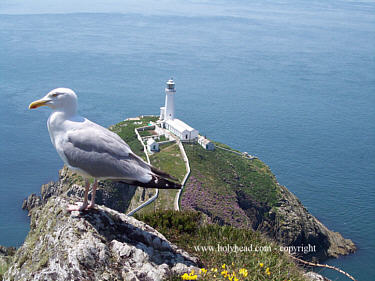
{"x": 184, "y": 135}
{"x": 169, "y": 105}
{"x": 162, "y": 113}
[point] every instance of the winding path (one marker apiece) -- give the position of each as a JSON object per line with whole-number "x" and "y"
{"x": 176, "y": 205}
{"x": 153, "y": 198}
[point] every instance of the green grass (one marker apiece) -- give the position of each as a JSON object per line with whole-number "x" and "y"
{"x": 225, "y": 172}
{"x": 162, "y": 138}
{"x": 125, "y": 130}
{"x": 3, "y": 267}
{"x": 186, "y": 230}
{"x": 169, "y": 159}
{"x": 145, "y": 133}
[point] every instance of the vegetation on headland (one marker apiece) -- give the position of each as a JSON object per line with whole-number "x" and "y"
{"x": 168, "y": 159}
{"x": 210, "y": 243}
{"x": 215, "y": 172}
{"x": 125, "y": 130}
{"x": 224, "y": 185}
{"x": 223, "y": 172}
{"x": 6, "y": 256}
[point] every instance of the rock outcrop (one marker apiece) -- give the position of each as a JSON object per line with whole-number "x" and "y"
{"x": 114, "y": 195}
{"x": 288, "y": 222}
{"x": 99, "y": 244}
{"x": 6, "y": 256}
{"x": 313, "y": 276}
{"x": 291, "y": 224}
{"x": 242, "y": 192}
{"x": 295, "y": 226}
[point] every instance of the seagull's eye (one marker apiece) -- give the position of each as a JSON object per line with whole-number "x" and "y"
{"x": 55, "y": 95}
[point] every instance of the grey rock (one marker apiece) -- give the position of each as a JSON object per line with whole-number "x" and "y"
{"x": 31, "y": 202}
{"x": 294, "y": 225}
{"x": 99, "y": 244}
{"x": 6, "y": 256}
{"x": 313, "y": 276}
{"x": 291, "y": 224}
{"x": 114, "y": 195}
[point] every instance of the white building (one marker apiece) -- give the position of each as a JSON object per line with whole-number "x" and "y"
{"x": 206, "y": 143}
{"x": 152, "y": 145}
{"x": 168, "y": 120}
{"x": 181, "y": 129}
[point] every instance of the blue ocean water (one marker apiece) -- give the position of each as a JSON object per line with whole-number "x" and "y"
{"x": 291, "y": 81}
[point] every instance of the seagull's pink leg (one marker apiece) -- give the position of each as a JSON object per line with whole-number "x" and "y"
{"x": 83, "y": 206}
{"x": 92, "y": 204}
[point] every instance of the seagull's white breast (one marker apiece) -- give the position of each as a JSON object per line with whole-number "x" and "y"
{"x": 59, "y": 127}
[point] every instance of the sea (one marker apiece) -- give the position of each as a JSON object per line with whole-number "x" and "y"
{"x": 290, "y": 81}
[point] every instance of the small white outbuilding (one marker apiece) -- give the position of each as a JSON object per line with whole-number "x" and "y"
{"x": 206, "y": 143}
{"x": 152, "y": 145}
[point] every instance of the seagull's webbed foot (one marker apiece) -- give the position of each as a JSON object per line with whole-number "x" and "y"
{"x": 77, "y": 207}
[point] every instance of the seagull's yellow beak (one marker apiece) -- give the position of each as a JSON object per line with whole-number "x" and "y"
{"x": 37, "y": 103}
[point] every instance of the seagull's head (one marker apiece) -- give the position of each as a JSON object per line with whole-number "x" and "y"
{"x": 61, "y": 99}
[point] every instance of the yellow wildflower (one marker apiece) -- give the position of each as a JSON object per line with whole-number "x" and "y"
{"x": 223, "y": 266}
{"x": 268, "y": 271}
{"x": 261, "y": 264}
{"x": 190, "y": 276}
{"x": 214, "y": 269}
{"x": 244, "y": 272}
{"x": 203, "y": 270}
{"x": 224, "y": 273}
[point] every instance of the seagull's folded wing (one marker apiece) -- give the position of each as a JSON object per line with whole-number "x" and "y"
{"x": 102, "y": 154}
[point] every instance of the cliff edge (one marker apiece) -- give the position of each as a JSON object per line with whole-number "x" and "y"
{"x": 100, "y": 244}
{"x": 242, "y": 192}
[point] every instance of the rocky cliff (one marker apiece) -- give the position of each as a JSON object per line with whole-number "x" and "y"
{"x": 100, "y": 244}
{"x": 243, "y": 192}
{"x": 114, "y": 195}
{"x": 291, "y": 224}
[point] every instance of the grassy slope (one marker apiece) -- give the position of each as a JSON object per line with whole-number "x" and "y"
{"x": 186, "y": 230}
{"x": 169, "y": 159}
{"x": 125, "y": 130}
{"x": 3, "y": 268}
{"x": 215, "y": 178}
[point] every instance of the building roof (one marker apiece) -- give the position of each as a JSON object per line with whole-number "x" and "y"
{"x": 204, "y": 141}
{"x": 179, "y": 125}
{"x": 150, "y": 141}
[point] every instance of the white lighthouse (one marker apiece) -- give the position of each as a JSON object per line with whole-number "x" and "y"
{"x": 170, "y": 92}
{"x": 169, "y": 122}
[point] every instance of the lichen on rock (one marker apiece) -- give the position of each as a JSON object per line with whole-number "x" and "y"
{"x": 100, "y": 244}
{"x": 115, "y": 195}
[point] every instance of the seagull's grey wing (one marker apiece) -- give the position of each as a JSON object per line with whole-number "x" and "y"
{"x": 99, "y": 153}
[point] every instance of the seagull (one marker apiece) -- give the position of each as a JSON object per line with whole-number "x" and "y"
{"x": 94, "y": 151}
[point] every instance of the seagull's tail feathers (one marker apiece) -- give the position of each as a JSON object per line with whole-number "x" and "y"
{"x": 156, "y": 182}
{"x": 156, "y": 171}
{"x": 161, "y": 173}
